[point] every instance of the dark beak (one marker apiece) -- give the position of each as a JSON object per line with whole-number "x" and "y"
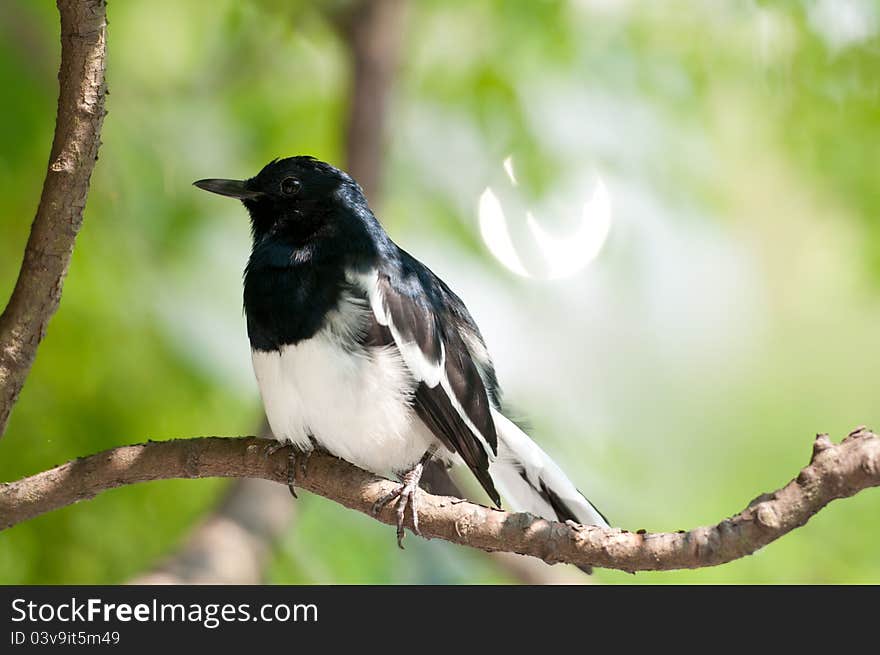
{"x": 232, "y": 188}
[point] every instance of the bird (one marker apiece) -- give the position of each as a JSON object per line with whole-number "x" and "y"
{"x": 360, "y": 350}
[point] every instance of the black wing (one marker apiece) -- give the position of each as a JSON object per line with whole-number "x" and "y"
{"x": 435, "y": 336}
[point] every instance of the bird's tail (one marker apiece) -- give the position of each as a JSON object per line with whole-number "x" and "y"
{"x": 529, "y": 481}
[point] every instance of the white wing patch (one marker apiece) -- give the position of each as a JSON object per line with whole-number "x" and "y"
{"x": 421, "y": 367}
{"x": 444, "y": 382}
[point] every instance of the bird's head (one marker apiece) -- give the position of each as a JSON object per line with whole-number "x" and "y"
{"x": 292, "y": 196}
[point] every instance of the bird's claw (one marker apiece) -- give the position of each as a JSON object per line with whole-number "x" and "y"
{"x": 295, "y": 457}
{"x": 405, "y": 494}
{"x": 272, "y": 448}
{"x": 291, "y": 472}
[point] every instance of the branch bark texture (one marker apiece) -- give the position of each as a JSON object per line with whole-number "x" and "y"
{"x": 59, "y": 215}
{"x": 834, "y": 471}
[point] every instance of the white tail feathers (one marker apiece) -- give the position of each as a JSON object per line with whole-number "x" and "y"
{"x": 532, "y": 482}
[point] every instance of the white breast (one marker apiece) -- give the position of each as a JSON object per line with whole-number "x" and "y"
{"x": 355, "y": 401}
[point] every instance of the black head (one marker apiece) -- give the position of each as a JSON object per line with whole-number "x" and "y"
{"x": 295, "y": 196}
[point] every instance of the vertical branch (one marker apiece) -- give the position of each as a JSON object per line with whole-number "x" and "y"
{"x": 60, "y": 212}
{"x": 372, "y": 30}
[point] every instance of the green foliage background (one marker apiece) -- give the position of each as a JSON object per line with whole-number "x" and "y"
{"x": 741, "y": 144}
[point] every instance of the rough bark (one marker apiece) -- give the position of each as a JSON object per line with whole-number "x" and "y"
{"x": 835, "y": 471}
{"x": 59, "y": 215}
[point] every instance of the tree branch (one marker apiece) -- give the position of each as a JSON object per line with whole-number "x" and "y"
{"x": 372, "y": 32}
{"x": 835, "y": 471}
{"x": 60, "y": 212}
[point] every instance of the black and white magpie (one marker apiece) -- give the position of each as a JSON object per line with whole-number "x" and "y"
{"x": 362, "y": 350}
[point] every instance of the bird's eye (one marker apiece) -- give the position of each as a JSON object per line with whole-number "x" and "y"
{"x": 290, "y": 186}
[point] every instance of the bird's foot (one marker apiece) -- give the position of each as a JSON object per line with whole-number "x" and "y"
{"x": 295, "y": 458}
{"x": 273, "y": 447}
{"x": 406, "y": 494}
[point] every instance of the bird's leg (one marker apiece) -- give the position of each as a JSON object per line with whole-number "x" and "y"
{"x": 302, "y": 458}
{"x": 291, "y": 471}
{"x": 405, "y": 495}
{"x": 294, "y": 456}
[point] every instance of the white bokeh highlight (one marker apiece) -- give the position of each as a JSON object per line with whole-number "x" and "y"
{"x": 561, "y": 256}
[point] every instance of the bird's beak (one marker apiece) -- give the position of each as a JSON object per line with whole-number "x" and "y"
{"x": 232, "y": 188}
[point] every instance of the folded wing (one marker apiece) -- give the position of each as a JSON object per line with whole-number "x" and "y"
{"x": 451, "y": 398}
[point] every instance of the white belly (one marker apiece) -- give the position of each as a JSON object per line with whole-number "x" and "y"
{"x": 357, "y": 407}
